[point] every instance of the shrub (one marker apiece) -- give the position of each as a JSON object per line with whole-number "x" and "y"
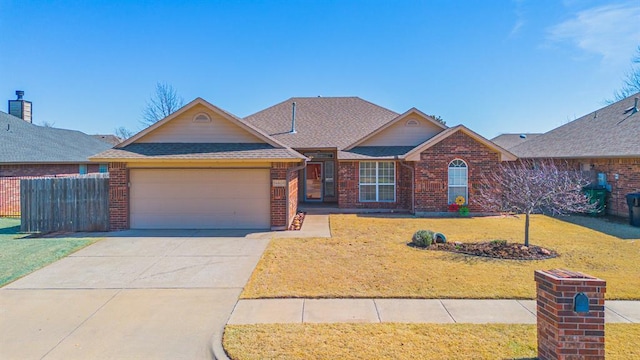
{"x": 422, "y": 238}
{"x": 499, "y": 242}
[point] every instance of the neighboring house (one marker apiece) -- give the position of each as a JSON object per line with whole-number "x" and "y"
{"x": 606, "y": 141}
{"x": 28, "y": 150}
{"x": 508, "y": 141}
{"x": 202, "y": 167}
{"x": 31, "y": 150}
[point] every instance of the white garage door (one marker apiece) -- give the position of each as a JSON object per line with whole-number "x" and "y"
{"x": 200, "y": 199}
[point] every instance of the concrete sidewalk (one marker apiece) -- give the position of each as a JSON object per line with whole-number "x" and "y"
{"x": 262, "y": 311}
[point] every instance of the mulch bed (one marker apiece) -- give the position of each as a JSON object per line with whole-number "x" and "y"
{"x": 498, "y": 250}
{"x": 296, "y": 224}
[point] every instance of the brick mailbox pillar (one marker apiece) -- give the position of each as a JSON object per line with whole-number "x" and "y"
{"x": 570, "y": 311}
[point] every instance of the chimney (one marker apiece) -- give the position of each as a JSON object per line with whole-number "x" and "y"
{"x": 293, "y": 118}
{"x": 20, "y": 107}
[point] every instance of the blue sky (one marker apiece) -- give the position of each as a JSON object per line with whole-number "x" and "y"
{"x": 495, "y": 66}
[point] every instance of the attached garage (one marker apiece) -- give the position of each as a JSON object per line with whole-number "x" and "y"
{"x": 200, "y": 199}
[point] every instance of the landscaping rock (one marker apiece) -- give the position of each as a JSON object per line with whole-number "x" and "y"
{"x": 498, "y": 250}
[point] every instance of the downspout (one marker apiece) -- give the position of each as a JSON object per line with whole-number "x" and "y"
{"x": 286, "y": 195}
{"x": 413, "y": 186}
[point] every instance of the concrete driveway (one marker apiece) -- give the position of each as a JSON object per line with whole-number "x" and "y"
{"x": 133, "y": 295}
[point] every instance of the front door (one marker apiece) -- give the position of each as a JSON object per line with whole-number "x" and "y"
{"x": 313, "y": 182}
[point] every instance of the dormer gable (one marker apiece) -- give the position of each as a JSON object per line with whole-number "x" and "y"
{"x": 409, "y": 129}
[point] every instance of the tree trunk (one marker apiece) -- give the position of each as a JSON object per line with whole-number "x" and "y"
{"x": 526, "y": 229}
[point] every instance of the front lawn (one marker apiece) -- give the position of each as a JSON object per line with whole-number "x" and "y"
{"x": 20, "y": 256}
{"x": 368, "y": 257}
{"x": 405, "y": 341}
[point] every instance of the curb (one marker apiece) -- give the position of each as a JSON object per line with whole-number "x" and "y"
{"x": 216, "y": 345}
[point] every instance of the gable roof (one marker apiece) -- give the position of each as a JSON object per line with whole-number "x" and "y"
{"x": 507, "y": 141}
{"x": 268, "y": 150}
{"x": 405, "y": 115}
{"x": 22, "y": 143}
{"x": 608, "y": 132}
{"x": 200, "y": 101}
{"x": 321, "y": 122}
{"x": 414, "y": 155}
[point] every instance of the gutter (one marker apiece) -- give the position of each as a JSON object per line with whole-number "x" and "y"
{"x": 413, "y": 186}
{"x": 286, "y": 195}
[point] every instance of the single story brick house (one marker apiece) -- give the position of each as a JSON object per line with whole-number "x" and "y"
{"x": 605, "y": 141}
{"x": 202, "y": 167}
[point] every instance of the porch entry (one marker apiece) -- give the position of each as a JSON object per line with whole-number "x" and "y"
{"x": 313, "y": 181}
{"x": 319, "y": 177}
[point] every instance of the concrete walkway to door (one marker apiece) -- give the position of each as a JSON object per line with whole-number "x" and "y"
{"x": 134, "y": 295}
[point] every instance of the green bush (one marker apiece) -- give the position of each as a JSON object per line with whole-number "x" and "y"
{"x": 422, "y": 238}
{"x": 499, "y": 242}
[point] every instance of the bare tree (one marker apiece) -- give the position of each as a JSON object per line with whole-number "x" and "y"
{"x": 439, "y": 119}
{"x": 163, "y": 103}
{"x": 530, "y": 187}
{"x": 123, "y": 133}
{"x": 631, "y": 82}
{"x": 48, "y": 124}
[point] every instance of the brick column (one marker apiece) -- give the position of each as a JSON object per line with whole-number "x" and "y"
{"x": 278, "y": 196}
{"x": 118, "y": 196}
{"x": 564, "y": 333}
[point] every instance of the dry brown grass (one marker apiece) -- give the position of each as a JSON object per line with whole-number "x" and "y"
{"x": 368, "y": 257}
{"x": 404, "y": 341}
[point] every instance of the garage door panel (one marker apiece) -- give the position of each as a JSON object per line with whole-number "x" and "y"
{"x": 200, "y": 199}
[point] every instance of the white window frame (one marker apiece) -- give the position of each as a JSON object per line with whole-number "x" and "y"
{"x": 465, "y": 186}
{"x": 377, "y": 182}
{"x": 103, "y": 168}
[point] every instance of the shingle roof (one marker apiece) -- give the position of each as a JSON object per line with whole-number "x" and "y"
{"x": 321, "y": 122}
{"x": 608, "y": 132}
{"x": 109, "y": 139}
{"x": 198, "y": 151}
{"x": 22, "y": 142}
{"x": 508, "y": 141}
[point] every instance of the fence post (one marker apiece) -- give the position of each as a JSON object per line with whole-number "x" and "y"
{"x": 570, "y": 315}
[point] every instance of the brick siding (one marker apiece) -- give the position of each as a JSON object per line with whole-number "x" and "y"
{"x": 562, "y": 332}
{"x": 44, "y": 169}
{"x": 432, "y": 172}
{"x": 118, "y": 196}
{"x": 293, "y": 196}
{"x": 349, "y": 185}
{"x": 628, "y": 181}
{"x": 278, "y": 195}
{"x": 431, "y": 176}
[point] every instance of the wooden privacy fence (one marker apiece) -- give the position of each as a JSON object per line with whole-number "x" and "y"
{"x": 65, "y": 204}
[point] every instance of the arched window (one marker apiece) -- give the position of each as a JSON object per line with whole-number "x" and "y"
{"x": 458, "y": 180}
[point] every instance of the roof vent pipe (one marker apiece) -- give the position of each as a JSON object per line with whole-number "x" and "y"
{"x": 635, "y": 106}
{"x": 293, "y": 118}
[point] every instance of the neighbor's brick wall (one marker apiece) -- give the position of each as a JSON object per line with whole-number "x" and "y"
{"x": 349, "y": 194}
{"x": 44, "y": 169}
{"x": 433, "y": 170}
{"x": 118, "y": 196}
{"x": 628, "y": 171}
{"x": 563, "y": 333}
